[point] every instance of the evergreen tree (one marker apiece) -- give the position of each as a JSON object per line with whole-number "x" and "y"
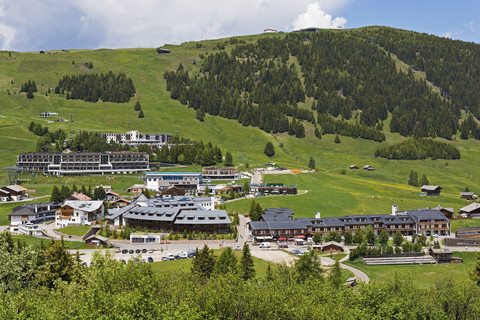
{"x": 65, "y": 192}
{"x": 337, "y": 139}
{"x": 226, "y": 262}
{"x": 228, "y": 159}
{"x": 308, "y": 267}
{"x": 137, "y": 106}
{"x": 55, "y": 195}
{"x": 424, "y": 180}
{"x": 335, "y": 274}
{"x": 358, "y": 237}
{"x": 203, "y": 263}
{"x": 383, "y": 237}
{"x": 246, "y": 187}
{"x": 466, "y": 189}
{"x": 317, "y": 238}
{"x": 246, "y": 269}
{"x": 99, "y": 193}
{"x": 370, "y": 235}
{"x": 311, "y": 163}
{"x": 200, "y": 115}
{"x": 141, "y": 115}
{"x": 59, "y": 264}
{"x": 397, "y": 238}
{"x": 348, "y": 238}
{"x": 269, "y": 149}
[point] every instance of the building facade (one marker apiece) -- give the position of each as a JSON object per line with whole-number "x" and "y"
{"x": 280, "y": 224}
{"x": 31, "y": 214}
{"x": 78, "y": 213}
{"x": 221, "y": 173}
{"x": 135, "y": 138}
{"x": 160, "y": 181}
{"x": 59, "y": 163}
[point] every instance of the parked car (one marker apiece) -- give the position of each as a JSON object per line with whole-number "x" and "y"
{"x": 131, "y": 251}
{"x": 124, "y": 251}
{"x": 138, "y": 251}
{"x": 282, "y": 245}
{"x": 295, "y": 251}
{"x": 191, "y": 255}
{"x": 164, "y": 259}
{"x": 177, "y": 257}
{"x": 170, "y": 256}
{"x": 150, "y": 259}
{"x": 144, "y": 250}
{"x": 143, "y": 260}
{"x": 150, "y": 251}
{"x": 265, "y": 245}
{"x": 237, "y": 247}
{"x": 183, "y": 255}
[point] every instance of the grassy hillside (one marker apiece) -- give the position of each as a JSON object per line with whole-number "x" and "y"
{"x": 329, "y": 192}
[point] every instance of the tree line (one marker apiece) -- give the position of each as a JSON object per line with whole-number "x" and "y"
{"x": 49, "y": 282}
{"x": 331, "y": 126}
{"x": 418, "y": 149}
{"x": 59, "y": 195}
{"x": 257, "y": 84}
{"x": 108, "y": 87}
{"x": 451, "y": 65}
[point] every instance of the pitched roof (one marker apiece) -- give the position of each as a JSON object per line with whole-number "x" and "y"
{"x": 121, "y": 200}
{"x": 15, "y": 188}
{"x": 98, "y": 237}
{"x": 202, "y": 217}
{"x": 24, "y": 211}
{"x": 114, "y": 193}
{"x": 466, "y": 193}
{"x": 80, "y": 196}
{"x": 442, "y": 208}
{"x": 419, "y": 215}
{"x": 430, "y": 188}
{"x": 87, "y": 206}
{"x": 471, "y": 207}
{"x": 338, "y": 244}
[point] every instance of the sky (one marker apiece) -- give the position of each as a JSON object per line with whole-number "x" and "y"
{"x": 30, "y": 25}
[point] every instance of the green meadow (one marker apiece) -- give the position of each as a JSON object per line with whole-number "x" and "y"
{"x": 328, "y": 191}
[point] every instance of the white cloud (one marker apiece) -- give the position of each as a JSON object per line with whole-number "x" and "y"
{"x": 315, "y": 16}
{"x": 56, "y": 24}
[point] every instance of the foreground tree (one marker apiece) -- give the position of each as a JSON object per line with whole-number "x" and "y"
{"x": 226, "y": 262}
{"x": 246, "y": 269}
{"x": 203, "y": 263}
{"x": 308, "y": 267}
{"x": 383, "y": 237}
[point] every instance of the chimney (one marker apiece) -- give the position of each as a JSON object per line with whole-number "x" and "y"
{"x": 394, "y": 210}
{"x": 317, "y": 215}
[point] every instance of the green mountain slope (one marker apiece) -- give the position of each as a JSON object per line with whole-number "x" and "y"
{"x": 163, "y": 114}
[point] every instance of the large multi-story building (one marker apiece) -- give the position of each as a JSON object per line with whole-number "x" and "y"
{"x": 182, "y": 213}
{"x": 135, "y": 138}
{"x": 221, "y": 173}
{"x": 278, "y": 223}
{"x": 160, "y": 181}
{"x": 32, "y": 213}
{"x": 62, "y": 163}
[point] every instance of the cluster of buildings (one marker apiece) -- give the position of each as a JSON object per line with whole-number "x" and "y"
{"x": 178, "y": 213}
{"x": 278, "y": 224}
{"x": 13, "y": 193}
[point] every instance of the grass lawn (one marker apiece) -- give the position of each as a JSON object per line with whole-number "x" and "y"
{"x": 35, "y": 242}
{"x": 75, "y": 230}
{"x": 185, "y": 264}
{"x": 464, "y": 223}
{"x": 424, "y": 276}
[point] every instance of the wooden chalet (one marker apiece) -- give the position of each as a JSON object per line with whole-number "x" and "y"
{"x": 431, "y": 190}
{"x": 172, "y": 192}
{"x": 95, "y": 241}
{"x": 332, "y": 247}
{"x": 466, "y": 195}
{"x": 120, "y": 203}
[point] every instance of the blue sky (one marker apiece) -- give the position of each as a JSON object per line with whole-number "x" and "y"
{"x": 29, "y": 25}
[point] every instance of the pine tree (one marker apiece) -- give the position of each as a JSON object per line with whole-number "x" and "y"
{"x": 141, "y": 115}
{"x": 226, "y": 262}
{"x": 137, "y": 106}
{"x": 269, "y": 149}
{"x": 228, "y": 159}
{"x": 337, "y": 139}
{"x": 203, "y": 263}
{"x": 246, "y": 269}
{"x": 424, "y": 180}
{"x": 335, "y": 275}
{"x": 311, "y": 163}
{"x": 246, "y": 187}
{"x": 55, "y": 196}
{"x": 383, "y": 237}
{"x": 397, "y": 238}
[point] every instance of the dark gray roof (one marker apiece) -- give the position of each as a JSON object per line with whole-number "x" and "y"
{"x": 285, "y": 211}
{"x": 278, "y": 225}
{"x": 421, "y": 215}
{"x": 258, "y": 225}
{"x": 23, "y": 212}
{"x": 202, "y": 217}
{"x": 98, "y": 237}
{"x": 153, "y": 213}
{"x": 115, "y": 213}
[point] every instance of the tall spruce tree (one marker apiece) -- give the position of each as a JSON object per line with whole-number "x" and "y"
{"x": 269, "y": 149}
{"x": 246, "y": 269}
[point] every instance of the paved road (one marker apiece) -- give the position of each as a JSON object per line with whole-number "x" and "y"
{"x": 256, "y": 178}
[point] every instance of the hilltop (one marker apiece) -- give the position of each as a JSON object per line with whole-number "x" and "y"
{"x": 433, "y": 103}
